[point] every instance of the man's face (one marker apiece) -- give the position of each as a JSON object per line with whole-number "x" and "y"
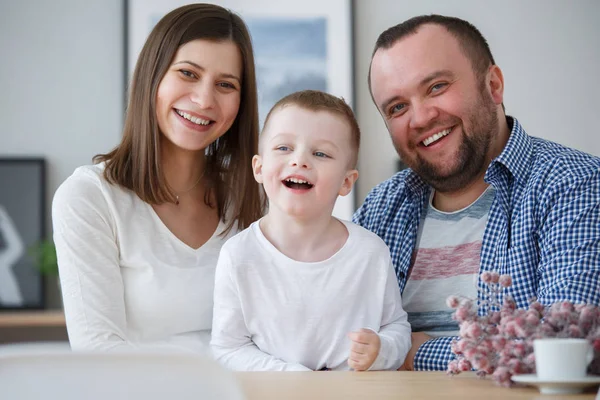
{"x": 441, "y": 116}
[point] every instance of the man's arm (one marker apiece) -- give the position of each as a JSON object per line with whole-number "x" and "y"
{"x": 569, "y": 240}
{"x": 431, "y": 354}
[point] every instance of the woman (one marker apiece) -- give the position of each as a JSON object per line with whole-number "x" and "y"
{"x": 138, "y": 234}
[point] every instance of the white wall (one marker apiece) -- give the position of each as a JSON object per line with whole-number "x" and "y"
{"x": 549, "y": 51}
{"x": 61, "y": 86}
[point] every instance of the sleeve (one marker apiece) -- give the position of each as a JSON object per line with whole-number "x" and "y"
{"x": 231, "y": 342}
{"x": 90, "y": 275}
{"x": 361, "y": 216}
{"x": 434, "y": 354}
{"x": 570, "y": 242}
{"x": 395, "y": 332}
{"x": 88, "y": 263}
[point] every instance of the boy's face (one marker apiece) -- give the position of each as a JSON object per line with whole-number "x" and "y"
{"x": 304, "y": 161}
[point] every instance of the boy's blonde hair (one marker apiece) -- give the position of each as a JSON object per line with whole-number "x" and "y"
{"x": 316, "y": 100}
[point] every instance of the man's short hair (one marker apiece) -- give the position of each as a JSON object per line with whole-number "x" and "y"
{"x": 471, "y": 41}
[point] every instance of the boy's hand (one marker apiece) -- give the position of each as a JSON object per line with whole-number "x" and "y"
{"x": 363, "y": 349}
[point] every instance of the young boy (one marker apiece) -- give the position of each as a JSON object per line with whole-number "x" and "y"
{"x": 300, "y": 290}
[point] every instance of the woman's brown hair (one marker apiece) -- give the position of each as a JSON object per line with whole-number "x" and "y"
{"x": 135, "y": 162}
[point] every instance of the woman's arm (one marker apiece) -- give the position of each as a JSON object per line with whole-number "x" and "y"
{"x": 88, "y": 262}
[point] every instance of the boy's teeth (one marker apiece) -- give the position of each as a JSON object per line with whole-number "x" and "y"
{"x": 197, "y": 121}
{"x": 294, "y": 180}
{"x": 437, "y": 136}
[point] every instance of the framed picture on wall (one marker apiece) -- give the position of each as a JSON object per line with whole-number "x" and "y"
{"x": 297, "y": 44}
{"x": 22, "y": 216}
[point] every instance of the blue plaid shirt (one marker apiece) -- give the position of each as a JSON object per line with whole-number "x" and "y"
{"x": 543, "y": 227}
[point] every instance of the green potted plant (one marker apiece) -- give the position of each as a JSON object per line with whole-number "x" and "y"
{"x": 44, "y": 256}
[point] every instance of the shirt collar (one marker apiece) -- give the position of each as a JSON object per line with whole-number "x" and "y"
{"x": 516, "y": 156}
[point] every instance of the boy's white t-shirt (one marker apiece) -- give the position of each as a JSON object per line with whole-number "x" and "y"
{"x": 127, "y": 281}
{"x": 275, "y": 313}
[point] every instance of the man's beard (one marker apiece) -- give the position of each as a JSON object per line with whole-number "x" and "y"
{"x": 472, "y": 153}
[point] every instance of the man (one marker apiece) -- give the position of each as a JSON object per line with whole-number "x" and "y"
{"x": 479, "y": 194}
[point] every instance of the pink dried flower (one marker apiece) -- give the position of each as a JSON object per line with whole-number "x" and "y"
{"x": 530, "y": 359}
{"x": 532, "y": 318}
{"x": 567, "y": 307}
{"x": 574, "y": 331}
{"x": 452, "y": 302}
{"x": 462, "y": 313}
{"x": 453, "y": 367}
{"x": 492, "y": 330}
{"x": 502, "y": 376}
{"x": 495, "y": 317}
{"x": 464, "y": 365}
{"x": 509, "y": 304}
{"x": 482, "y": 363}
{"x": 505, "y": 280}
{"x": 495, "y": 277}
{"x": 486, "y": 277}
{"x": 500, "y": 343}
{"x": 537, "y": 306}
{"x": 474, "y": 331}
{"x": 519, "y": 350}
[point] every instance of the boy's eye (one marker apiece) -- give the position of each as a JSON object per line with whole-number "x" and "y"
{"x": 282, "y": 148}
{"x": 321, "y": 154}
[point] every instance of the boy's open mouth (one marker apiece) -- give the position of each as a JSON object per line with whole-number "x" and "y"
{"x": 294, "y": 183}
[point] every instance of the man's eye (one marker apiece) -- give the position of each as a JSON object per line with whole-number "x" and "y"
{"x": 396, "y": 108}
{"x": 438, "y": 86}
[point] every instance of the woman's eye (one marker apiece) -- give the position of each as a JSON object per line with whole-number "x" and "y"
{"x": 227, "y": 85}
{"x": 321, "y": 154}
{"x": 186, "y": 73}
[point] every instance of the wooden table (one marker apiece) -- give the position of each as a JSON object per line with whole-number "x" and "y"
{"x": 383, "y": 385}
{"x": 18, "y": 319}
{"x": 32, "y": 326}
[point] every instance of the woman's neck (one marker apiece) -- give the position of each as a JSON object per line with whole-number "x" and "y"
{"x": 306, "y": 240}
{"x": 183, "y": 169}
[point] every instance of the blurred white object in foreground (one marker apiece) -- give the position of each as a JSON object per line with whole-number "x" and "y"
{"x": 37, "y": 372}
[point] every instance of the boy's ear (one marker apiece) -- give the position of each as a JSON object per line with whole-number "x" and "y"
{"x": 351, "y": 177}
{"x": 257, "y": 168}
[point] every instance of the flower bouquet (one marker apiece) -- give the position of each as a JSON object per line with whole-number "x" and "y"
{"x": 500, "y": 343}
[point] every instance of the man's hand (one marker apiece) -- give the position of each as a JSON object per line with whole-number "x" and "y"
{"x": 363, "y": 349}
{"x": 418, "y": 338}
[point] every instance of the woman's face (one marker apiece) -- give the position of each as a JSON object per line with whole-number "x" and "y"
{"x": 199, "y": 96}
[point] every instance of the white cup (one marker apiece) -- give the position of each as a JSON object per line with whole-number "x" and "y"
{"x": 562, "y": 359}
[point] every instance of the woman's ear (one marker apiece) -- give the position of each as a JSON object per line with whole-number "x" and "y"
{"x": 257, "y": 168}
{"x": 351, "y": 177}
